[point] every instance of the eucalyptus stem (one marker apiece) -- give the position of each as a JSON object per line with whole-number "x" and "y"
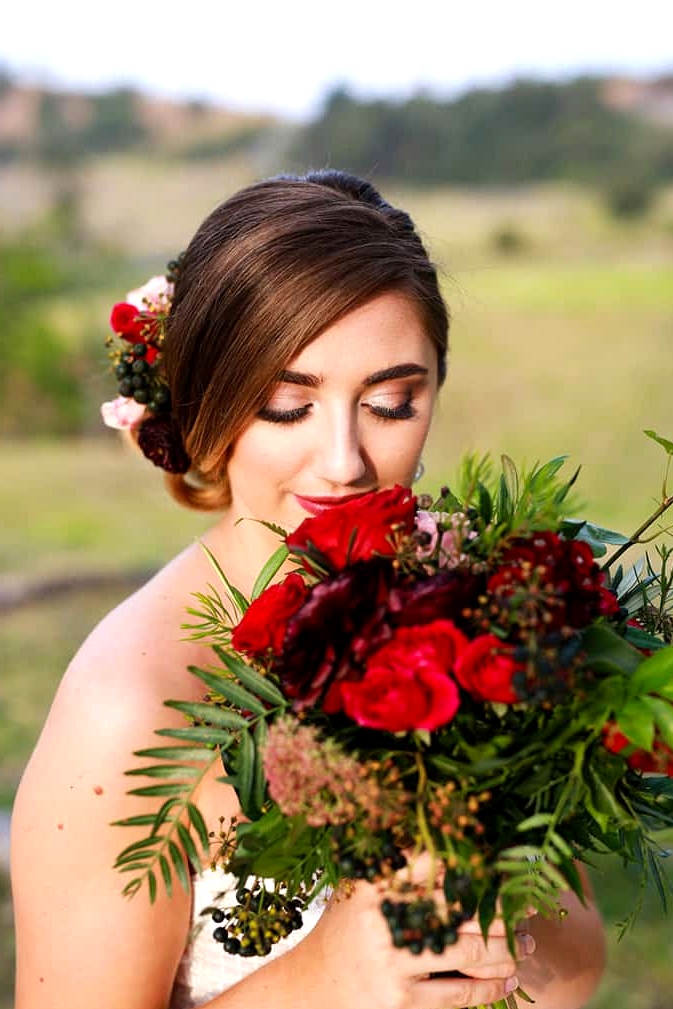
{"x": 634, "y": 538}
{"x": 423, "y": 827}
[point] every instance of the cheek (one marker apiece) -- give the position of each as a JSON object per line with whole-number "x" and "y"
{"x": 261, "y": 452}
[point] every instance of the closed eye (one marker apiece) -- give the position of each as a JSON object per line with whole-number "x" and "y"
{"x": 284, "y": 416}
{"x": 403, "y": 411}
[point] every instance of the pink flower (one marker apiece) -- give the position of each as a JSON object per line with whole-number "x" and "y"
{"x": 154, "y": 296}
{"x": 122, "y": 413}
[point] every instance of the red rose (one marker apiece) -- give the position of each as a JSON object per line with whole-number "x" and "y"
{"x": 262, "y": 626}
{"x": 486, "y": 669}
{"x": 126, "y": 321}
{"x": 358, "y": 529}
{"x": 406, "y": 684}
{"x": 659, "y": 761}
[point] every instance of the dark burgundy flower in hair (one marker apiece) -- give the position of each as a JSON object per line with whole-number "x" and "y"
{"x": 159, "y": 440}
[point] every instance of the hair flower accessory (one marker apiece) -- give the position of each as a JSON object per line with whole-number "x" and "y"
{"x": 139, "y": 326}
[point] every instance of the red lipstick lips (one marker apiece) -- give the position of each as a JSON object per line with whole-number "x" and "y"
{"x": 317, "y": 505}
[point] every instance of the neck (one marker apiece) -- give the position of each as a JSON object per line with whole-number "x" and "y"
{"x": 242, "y": 546}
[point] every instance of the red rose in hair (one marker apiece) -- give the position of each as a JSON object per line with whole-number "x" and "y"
{"x": 358, "y": 529}
{"x": 126, "y": 321}
{"x": 407, "y": 683}
{"x": 262, "y": 626}
{"x": 486, "y": 669}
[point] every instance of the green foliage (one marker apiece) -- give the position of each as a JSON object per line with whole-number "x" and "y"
{"x": 629, "y": 198}
{"x": 527, "y": 130}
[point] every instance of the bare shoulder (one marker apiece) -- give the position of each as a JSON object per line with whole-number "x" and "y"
{"x": 109, "y": 704}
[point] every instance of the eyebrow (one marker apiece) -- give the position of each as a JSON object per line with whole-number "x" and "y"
{"x": 385, "y": 375}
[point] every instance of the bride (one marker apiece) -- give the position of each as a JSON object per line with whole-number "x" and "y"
{"x": 305, "y": 345}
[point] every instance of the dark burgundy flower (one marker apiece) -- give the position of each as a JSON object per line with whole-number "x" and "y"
{"x": 327, "y": 639}
{"x": 448, "y": 595}
{"x": 159, "y": 440}
{"x": 357, "y": 530}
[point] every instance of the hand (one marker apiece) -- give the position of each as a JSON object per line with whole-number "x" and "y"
{"x": 352, "y": 947}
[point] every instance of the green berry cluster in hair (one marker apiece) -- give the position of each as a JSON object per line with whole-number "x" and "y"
{"x": 140, "y": 380}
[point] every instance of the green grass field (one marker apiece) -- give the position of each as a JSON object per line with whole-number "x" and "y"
{"x": 563, "y": 348}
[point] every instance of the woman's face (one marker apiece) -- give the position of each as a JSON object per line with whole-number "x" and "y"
{"x": 350, "y": 416}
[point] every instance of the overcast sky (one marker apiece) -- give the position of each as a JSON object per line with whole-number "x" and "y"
{"x": 271, "y": 56}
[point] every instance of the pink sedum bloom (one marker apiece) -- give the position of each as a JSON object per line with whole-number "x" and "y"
{"x": 122, "y": 413}
{"x": 154, "y": 296}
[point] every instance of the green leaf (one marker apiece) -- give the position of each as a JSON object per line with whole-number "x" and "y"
{"x": 211, "y": 713}
{"x": 178, "y": 860}
{"x": 272, "y": 566}
{"x": 245, "y": 775}
{"x": 199, "y": 825}
{"x": 152, "y": 883}
{"x": 637, "y": 723}
{"x": 608, "y": 652}
{"x": 249, "y": 677}
{"x": 538, "y": 820}
{"x": 641, "y": 640}
{"x": 181, "y": 753}
{"x": 142, "y": 820}
{"x": 166, "y": 874}
{"x": 259, "y": 782}
{"x": 198, "y": 734}
{"x": 188, "y": 845}
{"x": 170, "y": 772}
{"x": 654, "y": 673}
{"x": 239, "y": 599}
{"x": 167, "y": 789}
{"x": 230, "y": 690}
{"x": 664, "y": 442}
{"x": 662, "y": 713}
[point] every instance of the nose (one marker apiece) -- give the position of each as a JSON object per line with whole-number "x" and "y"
{"x": 340, "y": 457}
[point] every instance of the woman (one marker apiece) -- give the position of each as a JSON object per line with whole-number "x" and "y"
{"x": 305, "y": 346}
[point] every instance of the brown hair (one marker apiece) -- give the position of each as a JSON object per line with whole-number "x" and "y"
{"x": 267, "y": 272}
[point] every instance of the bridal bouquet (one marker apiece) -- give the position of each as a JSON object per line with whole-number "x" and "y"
{"x": 456, "y": 680}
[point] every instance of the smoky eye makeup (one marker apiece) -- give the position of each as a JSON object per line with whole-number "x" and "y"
{"x": 288, "y": 416}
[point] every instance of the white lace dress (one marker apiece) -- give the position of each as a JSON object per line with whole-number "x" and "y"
{"x": 205, "y": 969}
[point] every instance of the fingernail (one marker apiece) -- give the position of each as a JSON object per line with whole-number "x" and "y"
{"x": 511, "y": 984}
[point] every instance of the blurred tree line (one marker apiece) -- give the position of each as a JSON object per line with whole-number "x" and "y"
{"x": 528, "y": 131}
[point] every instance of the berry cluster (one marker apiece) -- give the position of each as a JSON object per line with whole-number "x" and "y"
{"x": 258, "y": 920}
{"x": 138, "y": 378}
{"x": 370, "y": 866}
{"x": 417, "y": 925}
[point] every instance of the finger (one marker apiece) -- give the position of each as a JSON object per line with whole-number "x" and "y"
{"x": 461, "y": 992}
{"x": 470, "y": 955}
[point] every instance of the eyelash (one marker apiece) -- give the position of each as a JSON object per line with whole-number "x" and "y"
{"x": 402, "y": 412}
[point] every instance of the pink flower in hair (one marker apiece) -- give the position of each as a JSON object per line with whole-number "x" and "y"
{"x": 122, "y": 413}
{"x": 154, "y": 296}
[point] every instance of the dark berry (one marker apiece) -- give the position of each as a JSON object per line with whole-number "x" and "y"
{"x": 139, "y": 349}
{"x": 218, "y": 915}
{"x": 220, "y": 934}
{"x": 126, "y": 387}
{"x": 141, "y": 395}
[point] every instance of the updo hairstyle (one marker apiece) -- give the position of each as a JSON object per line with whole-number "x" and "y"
{"x": 267, "y": 271}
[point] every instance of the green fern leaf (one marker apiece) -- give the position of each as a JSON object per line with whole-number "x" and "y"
{"x": 210, "y": 713}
